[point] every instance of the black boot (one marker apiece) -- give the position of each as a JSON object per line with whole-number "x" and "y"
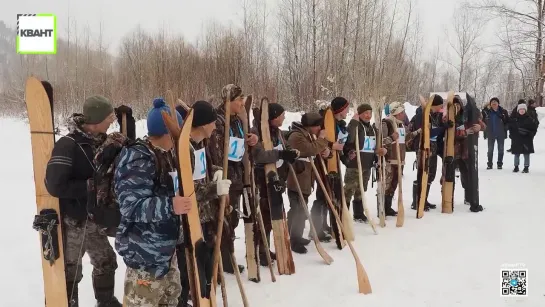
{"x": 476, "y": 208}
{"x": 429, "y": 205}
{"x": 388, "y": 206}
{"x": 359, "y": 215}
{"x": 489, "y": 165}
{"x": 297, "y": 247}
{"x": 516, "y": 169}
{"x": 416, "y": 192}
{"x": 104, "y": 290}
{"x": 525, "y": 169}
{"x": 226, "y": 261}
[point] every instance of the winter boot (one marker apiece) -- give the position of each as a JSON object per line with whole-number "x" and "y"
{"x": 104, "y": 290}
{"x": 516, "y": 169}
{"x": 476, "y": 208}
{"x": 500, "y": 165}
{"x": 388, "y": 206}
{"x": 359, "y": 215}
{"x": 226, "y": 261}
{"x": 297, "y": 247}
{"x": 416, "y": 190}
{"x": 428, "y": 204}
{"x": 525, "y": 170}
{"x": 489, "y": 165}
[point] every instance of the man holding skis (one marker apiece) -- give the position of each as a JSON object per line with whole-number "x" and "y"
{"x": 68, "y": 170}
{"x": 361, "y": 121}
{"x": 279, "y": 155}
{"x": 437, "y": 132}
{"x": 394, "y": 130}
{"x": 235, "y": 171}
{"x": 461, "y": 155}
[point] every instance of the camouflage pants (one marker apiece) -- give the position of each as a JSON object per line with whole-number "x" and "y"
{"x": 80, "y": 238}
{"x": 352, "y": 183}
{"x": 391, "y": 179}
{"x": 144, "y": 290}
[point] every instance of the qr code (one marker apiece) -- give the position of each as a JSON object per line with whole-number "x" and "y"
{"x": 514, "y": 282}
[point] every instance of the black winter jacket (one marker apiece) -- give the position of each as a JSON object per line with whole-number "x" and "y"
{"x": 522, "y": 129}
{"x": 69, "y": 167}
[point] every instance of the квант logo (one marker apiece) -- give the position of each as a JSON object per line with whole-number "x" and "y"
{"x": 36, "y": 34}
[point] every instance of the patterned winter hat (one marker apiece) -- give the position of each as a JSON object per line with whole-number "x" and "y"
{"x": 231, "y": 91}
{"x": 396, "y": 108}
{"x": 338, "y": 104}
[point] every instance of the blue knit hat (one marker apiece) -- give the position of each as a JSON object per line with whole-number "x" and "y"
{"x": 156, "y": 125}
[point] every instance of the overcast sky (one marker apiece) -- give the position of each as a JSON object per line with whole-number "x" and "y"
{"x": 184, "y": 16}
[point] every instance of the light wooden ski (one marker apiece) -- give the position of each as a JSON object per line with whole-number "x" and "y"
{"x": 447, "y": 191}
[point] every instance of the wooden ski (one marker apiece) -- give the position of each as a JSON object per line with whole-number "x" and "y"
{"x": 284, "y": 257}
{"x": 360, "y": 179}
{"x": 447, "y": 191}
{"x": 254, "y": 202}
{"x": 424, "y": 156}
{"x": 191, "y": 225}
{"x": 249, "y": 214}
{"x": 39, "y": 105}
{"x": 378, "y": 107}
{"x": 333, "y": 176}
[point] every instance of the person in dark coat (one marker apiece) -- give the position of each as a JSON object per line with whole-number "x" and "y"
{"x": 522, "y": 129}
{"x": 532, "y": 110}
{"x": 496, "y": 119}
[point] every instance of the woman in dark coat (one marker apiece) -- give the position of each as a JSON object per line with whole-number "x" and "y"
{"x": 522, "y": 128}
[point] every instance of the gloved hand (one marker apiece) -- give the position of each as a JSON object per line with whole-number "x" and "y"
{"x": 218, "y": 175}
{"x": 288, "y": 155}
{"x": 222, "y": 186}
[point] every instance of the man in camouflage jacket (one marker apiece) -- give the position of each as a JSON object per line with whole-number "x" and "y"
{"x": 281, "y": 157}
{"x": 70, "y": 167}
{"x": 361, "y": 122}
{"x": 235, "y": 171}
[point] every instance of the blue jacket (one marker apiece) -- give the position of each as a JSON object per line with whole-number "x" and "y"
{"x": 496, "y": 122}
{"x": 148, "y": 232}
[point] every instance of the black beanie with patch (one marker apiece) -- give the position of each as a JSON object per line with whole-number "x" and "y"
{"x": 437, "y": 100}
{"x": 203, "y": 114}
{"x": 275, "y": 110}
{"x": 338, "y": 104}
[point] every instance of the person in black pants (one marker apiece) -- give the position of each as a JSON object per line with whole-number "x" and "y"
{"x": 496, "y": 119}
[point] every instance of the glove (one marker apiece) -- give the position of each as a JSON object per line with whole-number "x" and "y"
{"x": 288, "y": 155}
{"x": 218, "y": 175}
{"x": 222, "y": 186}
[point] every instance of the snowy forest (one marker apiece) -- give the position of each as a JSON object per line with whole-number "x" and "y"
{"x": 307, "y": 50}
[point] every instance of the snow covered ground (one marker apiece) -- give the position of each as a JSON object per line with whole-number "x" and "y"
{"x": 438, "y": 261}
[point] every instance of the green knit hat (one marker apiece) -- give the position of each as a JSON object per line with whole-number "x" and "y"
{"x": 96, "y": 109}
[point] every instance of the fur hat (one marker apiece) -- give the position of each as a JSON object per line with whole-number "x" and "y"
{"x": 396, "y": 108}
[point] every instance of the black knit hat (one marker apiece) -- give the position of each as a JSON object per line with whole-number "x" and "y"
{"x": 275, "y": 110}
{"x": 338, "y": 104}
{"x": 495, "y": 99}
{"x": 364, "y": 107}
{"x": 312, "y": 119}
{"x": 203, "y": 113}
{"x": 437, "y": 100}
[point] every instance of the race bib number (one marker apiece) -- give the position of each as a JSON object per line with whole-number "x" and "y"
{"x": 280, "y": 161}
{"x": 369, "y": 144}
{"x": 342, "y": 137}
{"x": 174, "y": 176}
{"x": 236, "y": 149}
{"x": 401, "y": 132}
{"x": 200, "y": 164}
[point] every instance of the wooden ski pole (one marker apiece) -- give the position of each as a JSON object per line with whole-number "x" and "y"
{"x": 363, "y": 280}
